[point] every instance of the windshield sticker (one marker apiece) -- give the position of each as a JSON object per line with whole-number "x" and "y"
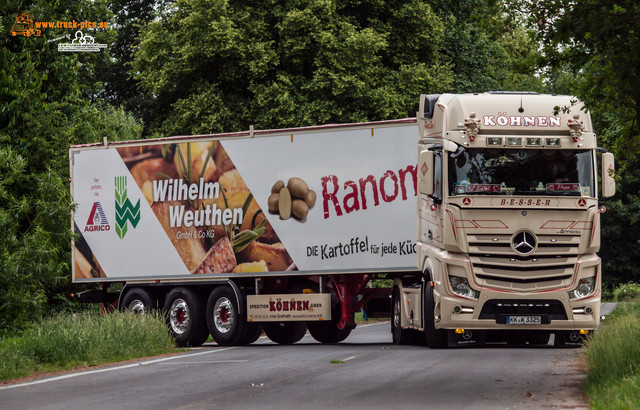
{"x": 563, "y": 187}
{"x": 477, "y": 188}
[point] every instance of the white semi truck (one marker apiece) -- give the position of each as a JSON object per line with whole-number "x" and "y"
{"x": 282, "y": 231}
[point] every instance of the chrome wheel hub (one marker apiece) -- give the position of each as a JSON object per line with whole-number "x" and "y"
{"x": 179, "y": 316}
{"x": 136, "y": 306}
{"x": 223, "y": 315}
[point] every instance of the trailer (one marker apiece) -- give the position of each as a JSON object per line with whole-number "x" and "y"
{"x": 231, "y": 234}
{"x": 282, "y": 231}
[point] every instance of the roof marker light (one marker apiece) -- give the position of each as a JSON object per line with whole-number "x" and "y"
{"x": 534, "y": 142}
{"x": 514, "y": 142}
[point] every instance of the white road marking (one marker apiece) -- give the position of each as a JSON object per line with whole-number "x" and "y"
{"x": 164, "y": 359}
{"x": 209, "y": 362}
{"x": 386, "y": 322}
{"x": 110, "y": 369}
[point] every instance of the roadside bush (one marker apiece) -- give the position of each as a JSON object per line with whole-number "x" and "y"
{"x": 613, "y": 359}
{"x": 626, "y": 292}
{"x": 68, "y": 341}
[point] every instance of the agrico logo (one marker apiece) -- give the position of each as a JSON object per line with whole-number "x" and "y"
{"x": 97, "y": 219}
{"x": 125, "y": 210}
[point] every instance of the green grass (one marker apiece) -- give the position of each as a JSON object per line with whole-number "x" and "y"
{"x": 68, "y": 341}
{"x": 613, "y": 359}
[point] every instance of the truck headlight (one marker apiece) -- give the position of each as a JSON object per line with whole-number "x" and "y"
{"x": 585, "y": 288}
{"x": 460, "y": 286}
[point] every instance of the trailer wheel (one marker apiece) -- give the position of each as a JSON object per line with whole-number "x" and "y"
{"x": 184, "y": 312}
{"x": 328, "y": 332}
{"x": 226, "y": 325}
{"x": 138, "y": 301}
{"x": 285, "y": 333}
{"x": 400, "y": 336}
{"x": 436, "y": 338}
{"x": 251, "y": 334}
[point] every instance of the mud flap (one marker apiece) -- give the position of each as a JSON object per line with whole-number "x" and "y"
{"x": 466, "y": 338}
{"x": 569, "y": 339}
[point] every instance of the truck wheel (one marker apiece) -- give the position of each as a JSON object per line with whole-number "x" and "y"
{"x": 226, "y": 325}
{"x": 399, "y": 335}
{"x": 138, "y": 301}
{"x": 436, "y": 338}
{"x": 285, "y": 333}
{"x": 184, "y": 312}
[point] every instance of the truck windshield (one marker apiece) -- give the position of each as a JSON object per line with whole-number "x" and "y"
{"x": 521, "y": 172}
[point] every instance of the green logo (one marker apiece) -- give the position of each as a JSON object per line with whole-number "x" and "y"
{"x": 125, "y": 210}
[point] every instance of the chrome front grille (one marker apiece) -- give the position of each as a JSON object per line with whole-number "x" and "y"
{"x": 497, "y": 265}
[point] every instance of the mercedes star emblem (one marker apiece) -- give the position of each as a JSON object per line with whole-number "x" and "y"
{"x": 524, "y": 242}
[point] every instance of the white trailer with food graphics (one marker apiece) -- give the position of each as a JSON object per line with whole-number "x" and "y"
{"x": 282, "y": 231}
{"x": 232, "y": 234}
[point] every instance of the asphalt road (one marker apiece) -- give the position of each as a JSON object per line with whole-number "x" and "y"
{"x": 365, "y": 371}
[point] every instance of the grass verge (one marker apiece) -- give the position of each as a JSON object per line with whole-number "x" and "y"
{"x": 613, "y": 359}
{"x": 68, "y": 341}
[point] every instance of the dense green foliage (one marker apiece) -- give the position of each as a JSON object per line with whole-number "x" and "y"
{"x": 613, "y": 358}
{"x": 205, "y": 66}
{"x": 219, "y": 66}
{"x": 65, "y": 341}
{"x": 592, "y": 49}
{"x": 46, "y": 105}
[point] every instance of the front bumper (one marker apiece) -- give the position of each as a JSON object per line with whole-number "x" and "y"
{"x": 489, "y": 311}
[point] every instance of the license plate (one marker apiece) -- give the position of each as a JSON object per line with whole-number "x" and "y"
{"x": 524, "y": 320}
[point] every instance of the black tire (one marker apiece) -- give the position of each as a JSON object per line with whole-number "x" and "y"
{"x": 285, "y": 333}
{"x": 251, "y": 333}
{"x": 185, "y": 317}
{"x": 327, "y": 331}
{"x": 436, "y": 338}
{"x": 399, "y": 335}
{"x": 226, "y": 325}
{"x": 138, "y": 301}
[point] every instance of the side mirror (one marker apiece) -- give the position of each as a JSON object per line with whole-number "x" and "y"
{"x": 608, "y": 168}
{"x": 425, "y": 171}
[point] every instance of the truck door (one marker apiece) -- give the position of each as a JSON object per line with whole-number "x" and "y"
{"x": 431, "y": 192}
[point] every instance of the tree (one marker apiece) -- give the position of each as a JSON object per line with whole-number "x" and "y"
{"x": 120, "y": 89}
{"x": 597, "y": 42}
{"x": 46, "y": 99}
{"x": 488, "y": 47}
{"x": 216, "y": 66}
